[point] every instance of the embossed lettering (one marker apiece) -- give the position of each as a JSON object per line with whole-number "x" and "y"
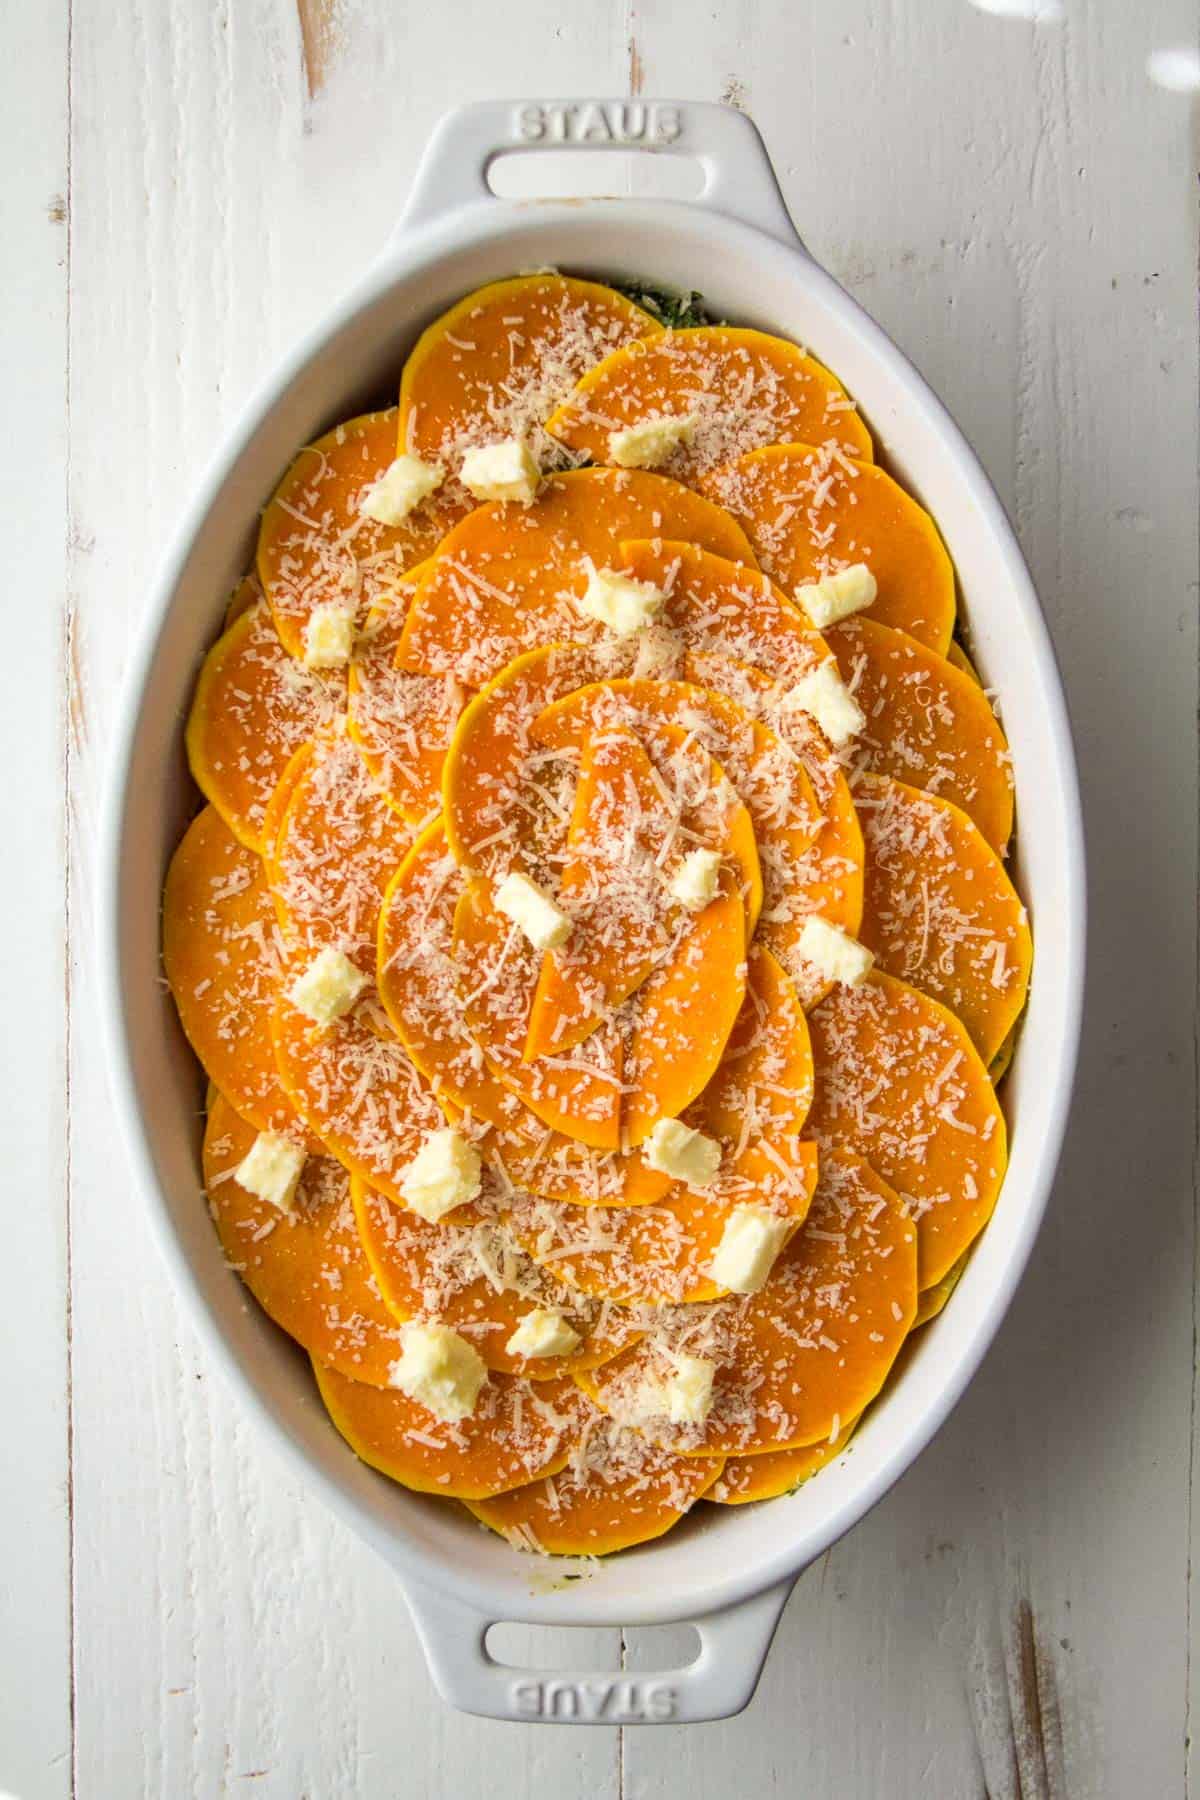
{"x": 561, "y": 1700}
{"x": 661, "y": 1701}
{"x": 526, "y": 1698}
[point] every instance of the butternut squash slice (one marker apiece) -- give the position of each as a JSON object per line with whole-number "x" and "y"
{"x": 764, "y": 1081}
{"x": 497, "y": 971}
{"x": 927, "y": 724}
{"x": 775, "y": 1472}
{"x": 307, "y": 1269}
{"x": 659, "y": 1255}
{"x": 519, "y": 1432}
{"x": 940, "y": 911}
{"x": 222, "y": 960}
{"x": 808, "y": 511}
{"x": 931, "y": 1302}
{"x": 277, "y": 805}
{"x": 507, "y": 579}
{"x": 552, "y": 1166}
{"x": 357, "y": 1091}
{"x": 337, "y": 847}
{"x": 741, "y": 389}
{"x": 246, "y": 594}
{"x": 899, "y": 1081}
{"x": 957, "y": 655}
{"x": 315, "y": 545}
{"x": 618, "y": 1489}
{"x": 721, "y": 608}
{"x": 482, "y": 1284}
{"x": 252, "y": 709}
{"x": 811, "y": 1348}
{"x": 401, "y": 723}
{"x": 503, "y": 358}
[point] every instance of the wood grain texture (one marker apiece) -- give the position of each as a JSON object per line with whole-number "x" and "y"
{"x": 1016, "y": 203}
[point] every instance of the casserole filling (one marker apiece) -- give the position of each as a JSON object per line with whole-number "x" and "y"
{"x": 602, "y": 974}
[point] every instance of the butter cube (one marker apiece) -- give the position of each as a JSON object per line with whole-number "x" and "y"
{"x": 750, "y": 1242}
{"x": 689, "y": 1390}
{"x": 439, "y": 1370}
{"x": 529, "y": 906}
{"x": 503, "y": 471}
{"x": 328, "y": 987}
{"x": 824, "y": 696}
{"x": 694, "y": 883}
{"x": 834, "y": 597}
{"x": 651, "y": 441}
{"x": 833, "y": 953}
{"x": 328, "y": 638}
{"x": 271, "y": 1170}
{"x": 543, "y": 1332}
{"x": 620, "y": 602}
{"x": 446, "y": 1172}
{"x": 685, "y": 1155}
{"x": 400, "y": 489}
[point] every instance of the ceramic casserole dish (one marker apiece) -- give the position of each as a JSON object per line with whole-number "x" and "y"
{"x": 730, "y": 1573}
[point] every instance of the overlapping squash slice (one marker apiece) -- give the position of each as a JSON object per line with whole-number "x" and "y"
{"x": 223, "y": 960}
{"x": 940, "y": 911}
{"x": 253, "y": 708}
{"x": 520, "y": 1431}
{"x": 765, "y": 1477}
{"x": 811, "y": 1348}
{"x": 927, "y": 723}
{"x": 739, "y": 389}
{"x": 661, "y": 1254}
{"x": 401, "y": 723}
{"x": 507, "y": 579}
{"x": 316, "y": 547}
{"x": 899, "y": 1081}
{"x": 617, "y": 1489}
{"x": 764, "y": 1082}
{"x": 499, "y": 362}
{"x": 307, "y": 1268}
{"x": 337, "y": 846}
{"x": 480, "y": 1282}
{"x": 808, "y": 510}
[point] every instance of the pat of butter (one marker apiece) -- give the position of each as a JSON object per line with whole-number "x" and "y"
{"x": 620, "y": 602}
{"x": 750, "y": 1242}
{"x": 446, "y": 1172}
{"x": 651, "y": 441}
{"x": 328, "y": 987}
{"x": 271, "y": 1170}
{"x": 689, "y": 1390}
{"x": 694, "y": 883}
{"x": 833, "y": 953}
{"x": 834, "y": 597}
{"x": 328, "y": 638}
{"x": 824, "y": 696}
{"x": 439, "y": 1370}
{"x": 503, "y": 471}
{"x": 400, "y": 489}
{"x": 685, "y": 1155}
{"x": 531, "y": 908}
{"x": 543, "y": 1332}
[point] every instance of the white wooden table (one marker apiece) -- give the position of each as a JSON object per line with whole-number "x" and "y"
{"x": 187, "y": 184}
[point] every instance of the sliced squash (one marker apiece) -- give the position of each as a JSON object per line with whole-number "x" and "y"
{"x": 519, "y": 1431}
{"x": 739, "y": 388}
{"x": 659, "y": 1255}
{"x": 931, "y": 1302}
{"x": 927, "y": 723}
{"x": 940, "y": 912}
{"x": 315, "y": 545}
{"x": 764, "y": 1082}
{"x": 306, "y": 1268}
{"x": 482, "y": 1284}
{"x": 507, "y": 579}
{"x": 765, "y": 1477}
{"x": 503, "y": 358}
{"x": 899, "y": 1081}
{"x": 252, "y": 710}
{"x": 617, "y": 1490}
{"x": 808, "y": 511}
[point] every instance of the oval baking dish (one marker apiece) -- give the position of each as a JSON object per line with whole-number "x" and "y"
{"x": 730, "y": 1573}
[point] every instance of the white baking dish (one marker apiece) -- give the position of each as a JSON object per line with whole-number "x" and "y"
{"x": 730, "y": 1571}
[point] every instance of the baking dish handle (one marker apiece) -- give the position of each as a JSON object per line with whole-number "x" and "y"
{"x": 738, "y": 176}
{"x": 719, "y": 1683}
